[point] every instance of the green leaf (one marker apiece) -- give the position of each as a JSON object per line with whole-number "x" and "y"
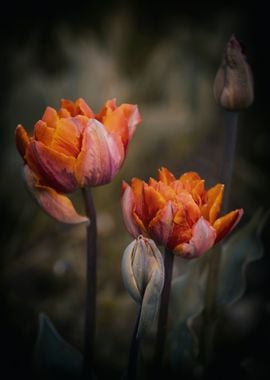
{"x": 240, "y": 250}
{"x": 54, "y": 358}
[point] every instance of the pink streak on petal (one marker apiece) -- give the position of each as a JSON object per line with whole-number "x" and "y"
{"x": 127, "y": 203}
{"x": 54, "y": 204}
{"x": 203, "y": 239}
{"x": 134, "y": 118}
{"x": 56, "y": 169}
{"x": 101, "y": 156}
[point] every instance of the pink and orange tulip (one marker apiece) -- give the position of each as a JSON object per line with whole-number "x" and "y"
{"x": 73, "y": 148}
{"x": 177, "y": 213}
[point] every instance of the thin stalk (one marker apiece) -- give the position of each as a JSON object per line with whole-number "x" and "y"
{"x": 163, "y": 311}
{"x": 225, "y": 177}
{"x": 226, "y": 169}
{"x": 134, "y": 351}
{"x": 91, "y": 279}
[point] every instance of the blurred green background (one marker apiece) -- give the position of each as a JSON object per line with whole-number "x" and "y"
{"x": 162, "y": 56}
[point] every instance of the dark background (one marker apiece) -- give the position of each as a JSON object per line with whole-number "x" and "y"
{"x": 162, "y": 56}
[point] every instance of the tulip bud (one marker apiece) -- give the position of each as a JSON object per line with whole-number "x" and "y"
{"x": 233, "y": 86}
{"x": 143, "y": 276}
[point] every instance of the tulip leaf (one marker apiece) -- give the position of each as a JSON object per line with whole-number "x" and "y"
{"x": 54, "y": 358}
{"x": 187, "y": 302}
{"x": 240, "y": 250}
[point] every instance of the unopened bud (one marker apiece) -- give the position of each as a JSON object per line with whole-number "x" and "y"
{"x": 233, "y": 86}
{"x": 143, "y": 276}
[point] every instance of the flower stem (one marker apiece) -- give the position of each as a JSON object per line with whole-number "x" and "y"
{"x": 134, "y": 350}
{"x": 163, "y": 311}
{"x": 225, "y": 177}
{"x": 226, "y": 169}
{"x": 91, "y": 262}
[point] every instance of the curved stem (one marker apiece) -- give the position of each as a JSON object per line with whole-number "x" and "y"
{"x": 134, "y": 351}
{"x": 91, "y": 262}
{"x": 163, "y": 311}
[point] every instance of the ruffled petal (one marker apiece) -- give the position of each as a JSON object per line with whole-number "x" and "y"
{"x": 161, "y": 225}
{"x": 54, "y": 204}
{"x": 165, "y": 176}
{"x": 50, "y": 117}
{"x": 211, "y": 209}
{"x": 67, "y": 137}
{"x": 225, "y": 224}
{"x": 120, "y": 120}
{"x": 153, "y": 202}
{"x": 203, "y": 238}
{"x": 79, "y": 107}
{"x": 115, "y": 122}
{"x": 109, "y": 106}
{"x": 22, "y": 140}
{"x": 133, "y": 117}
{"x": 55, "y": 169}
{"x": 189, "y": 177}
{"x": 101, "y": 156}
{"x": 128, "y": 204}
{"x": 43, "y": 133}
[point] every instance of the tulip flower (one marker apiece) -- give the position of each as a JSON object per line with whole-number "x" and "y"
{"x": 74, "y": 148}
{"x": 177, "y": 213}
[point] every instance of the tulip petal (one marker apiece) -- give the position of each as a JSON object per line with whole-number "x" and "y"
{"x": 109, "y": 106}
{"x": 120, "y": 120}
{"x": 50, "y": 117}
{"x": 127, "y": 203}
{"x": 55, "y": 169}
{"x": 133, "y": 117}
{"x": 22, "y": 139}
{"x": 115, "y": 122}
{"x": 211, "y": 209}
{"x": 43, "y": 133}
{"x": 79, "y": 107}
{"x": 67, "y": 136}
{"x": 101, "y": 156}
{"x": 161, "y": 225}
{"x": 203, "y": 238}
{"x": 153, "y": 201}
{"x": 54, "y": 204}
{"x": 189, "y": 177}
{"x": 225, "y": 224}
{"x": 165, "y": 176}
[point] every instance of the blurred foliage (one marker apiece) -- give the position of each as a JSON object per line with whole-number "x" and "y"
{"x": 163, "y": 58}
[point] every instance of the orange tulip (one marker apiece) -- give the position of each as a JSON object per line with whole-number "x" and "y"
{"x": 177, "y": 213}
{"x": 74, "y": 148}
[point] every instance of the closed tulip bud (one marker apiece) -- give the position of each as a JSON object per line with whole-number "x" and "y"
{"x": 143, "y": 276}
{"x": 233, "y": 85}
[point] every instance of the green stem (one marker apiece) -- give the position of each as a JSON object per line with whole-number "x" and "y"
{"x": 134, "y": 351}
{"x": 91, "y": 262}
{"x": 226, "y": 169}
{"x": 163, "y": 311}
{"x": 225, "y": 177}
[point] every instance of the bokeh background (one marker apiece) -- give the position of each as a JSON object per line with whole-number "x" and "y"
{"x": 162, "y": 56}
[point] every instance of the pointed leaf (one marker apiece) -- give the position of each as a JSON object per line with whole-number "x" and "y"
{"x": 242, "y": 248}
{"x": 54, "y": 358}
